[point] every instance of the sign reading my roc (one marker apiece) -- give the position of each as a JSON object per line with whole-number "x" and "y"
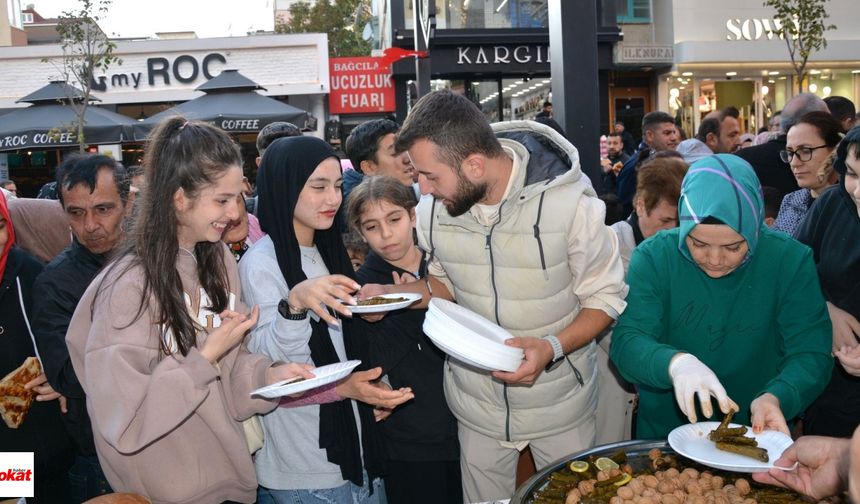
{"x": 360, "y": 86}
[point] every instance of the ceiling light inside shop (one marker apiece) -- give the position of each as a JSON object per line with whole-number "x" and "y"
{"x": 815, "y": 72}
{"x": 687, "y": 74}
{"x": 771, "y": 81}
{"x": 765, "y": 90}
{"x": 773, "y": 73}
{"x": 826, "y": 90}
{"x": 855, "y": 71}
{"x": 546, "y": 81}
{"x": 813, "y": 88}
{"x": 731, "y": 74}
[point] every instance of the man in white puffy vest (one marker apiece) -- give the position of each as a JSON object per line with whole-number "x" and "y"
{"x": 515, "y": 233}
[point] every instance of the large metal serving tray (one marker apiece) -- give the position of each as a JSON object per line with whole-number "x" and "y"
{"x": 637, "y": 456}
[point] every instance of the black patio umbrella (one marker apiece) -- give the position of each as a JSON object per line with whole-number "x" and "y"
{"x": 48, "y": 122}
{"x": 232, "y": 104}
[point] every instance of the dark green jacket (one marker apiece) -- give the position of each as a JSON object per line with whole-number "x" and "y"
{"x": 762, "y": 328}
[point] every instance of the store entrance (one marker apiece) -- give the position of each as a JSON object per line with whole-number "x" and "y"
{"x": 629, "y": 105}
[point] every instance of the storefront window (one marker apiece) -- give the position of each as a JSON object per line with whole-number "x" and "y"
{"x": 633, "y": 11}
{"x": 826, "y": 83}
{"x": 521, "y": 98}
{"x": 477, "y": 14}
{"x": 757, "y": 99}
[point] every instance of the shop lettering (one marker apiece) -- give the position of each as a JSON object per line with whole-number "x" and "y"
{"x": 16, "y": 475}
{"x": 351, "y": 101}
{"x": 501, "y": 55}
{"x": 752, "y": 29}
{"x": 360, "y": 81}
{"x": 38, "y": 139}
{"x": 240, "y": 124}
{"x": 355, "y": 66}
{"x": 184, "y": 69}
{"x": 631, "y": 54}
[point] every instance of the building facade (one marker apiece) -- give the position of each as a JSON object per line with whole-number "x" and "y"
{"x": 494, "y": 51}
{"x": 157, "y": 74}
{"x": 727, "y": 54}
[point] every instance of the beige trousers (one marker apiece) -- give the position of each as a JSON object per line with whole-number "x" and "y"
{"x": 489, "y": 466}
{"x": 617, "y": 398}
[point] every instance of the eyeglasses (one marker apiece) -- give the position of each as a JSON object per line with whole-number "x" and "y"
{"x": 804, "y": 154}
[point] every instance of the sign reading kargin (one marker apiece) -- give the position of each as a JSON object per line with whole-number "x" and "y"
{"x": 360, "y": 86}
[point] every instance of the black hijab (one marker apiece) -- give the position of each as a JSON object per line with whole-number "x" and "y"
{"x": 286, "y": 166}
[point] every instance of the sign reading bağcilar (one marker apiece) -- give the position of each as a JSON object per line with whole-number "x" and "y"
{"x": 360, "y": 86}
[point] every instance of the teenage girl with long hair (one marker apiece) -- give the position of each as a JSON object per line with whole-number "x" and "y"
{"x": 157, "y": 338}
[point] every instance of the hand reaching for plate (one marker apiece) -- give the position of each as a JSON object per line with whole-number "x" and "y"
{"x": 363, "y": 386}
{"x": 822, "y": 471}
{"x": 766, "y": 414}
{"x": 313, "y": 294}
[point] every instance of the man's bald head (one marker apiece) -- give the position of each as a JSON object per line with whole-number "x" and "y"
{"x": 799, "y": 106}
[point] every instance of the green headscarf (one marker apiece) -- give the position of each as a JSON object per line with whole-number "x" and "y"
{"x": 725, "y": 187}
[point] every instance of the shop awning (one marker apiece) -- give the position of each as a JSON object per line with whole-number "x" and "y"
{"x": 48, "y": 122}
{"x": 232, "y": 104}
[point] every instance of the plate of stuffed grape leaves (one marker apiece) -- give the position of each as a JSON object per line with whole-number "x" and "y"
{"x": 729, "y": 446}
{"x": 385, "y": 303}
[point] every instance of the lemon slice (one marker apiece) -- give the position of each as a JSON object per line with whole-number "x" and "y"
{"x": 579, "y": 466}
{"x": 623, "y": 481}
{"x": 605, "y": 464}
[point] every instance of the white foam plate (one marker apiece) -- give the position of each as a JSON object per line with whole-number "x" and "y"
{"x": 411, "y": 297}
{"x": 691, "y": 441}
{"x": 470, "y": 338}
{"x": 323, "y": 375}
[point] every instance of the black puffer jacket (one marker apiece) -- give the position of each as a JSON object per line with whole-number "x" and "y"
{"x": 42, "y": 431}
{"x": 56, "y": 294}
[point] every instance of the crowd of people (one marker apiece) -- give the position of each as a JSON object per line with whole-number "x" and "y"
{"x": 694, "y": 277}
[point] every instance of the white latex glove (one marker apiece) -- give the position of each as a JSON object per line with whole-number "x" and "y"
{"x": 690, "y": 377}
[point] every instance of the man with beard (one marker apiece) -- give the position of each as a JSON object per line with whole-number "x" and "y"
{"x": 719, "y": 133}
{"x": 515, "y": 233}
{"x": 626, "y": 138}
{"x": 659, "y": 134}
{"x": 94, "y": 192}
{"x": 613, "y": 162}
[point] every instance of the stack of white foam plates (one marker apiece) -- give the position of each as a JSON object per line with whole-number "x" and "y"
{"x": 469, "y": 337}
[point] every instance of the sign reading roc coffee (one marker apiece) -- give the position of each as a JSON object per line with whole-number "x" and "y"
{"x": 46, "y": 139}
{"x": 16, "y": 474}
{"x": 360, "y": 86}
